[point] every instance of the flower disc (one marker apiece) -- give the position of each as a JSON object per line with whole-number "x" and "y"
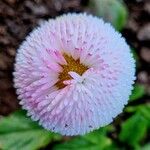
{"x": 74, "y": 74}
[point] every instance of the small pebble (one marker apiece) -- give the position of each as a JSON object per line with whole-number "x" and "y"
{"x": 144, "y": 33}
{"x": 145, "y": 54}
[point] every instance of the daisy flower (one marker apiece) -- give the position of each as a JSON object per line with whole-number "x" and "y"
{"x": 74, "y": 74}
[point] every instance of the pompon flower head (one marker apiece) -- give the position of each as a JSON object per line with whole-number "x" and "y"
{"x": 74, "y": 74}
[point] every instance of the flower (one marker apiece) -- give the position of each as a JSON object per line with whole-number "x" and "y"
{"x": 74, "y": 74}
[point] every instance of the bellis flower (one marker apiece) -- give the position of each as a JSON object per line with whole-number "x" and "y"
{"x": 74, "y": 74}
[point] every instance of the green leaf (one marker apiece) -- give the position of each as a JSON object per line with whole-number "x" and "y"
{"x": 143, "y": 109}
{"x": 96, "y": 140}
{"x": 146, "y": 147}
{"x": 137, "y": 92}
{"x": 18, "y": 132}
{"x": 135, "y": 56}
{"x": 113, "y": 11}
{"x": 133, "y": 130}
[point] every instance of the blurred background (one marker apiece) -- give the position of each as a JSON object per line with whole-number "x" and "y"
{"x": 130, "y": 130}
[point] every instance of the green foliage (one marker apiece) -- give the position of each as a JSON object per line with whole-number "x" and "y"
{"x": 96, "y": 140}
{"x": 146, "y": 147}
{"x": 143, "y": 109}
{"x": 137, "y": 92}
{"x": 133, "y": 130}
{"x": 18, "y": 132}
{"x": 113, "y": 11}
{"x": 135, "y": 56}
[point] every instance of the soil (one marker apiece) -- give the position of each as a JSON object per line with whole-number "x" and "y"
{"x": 18, "y": 18}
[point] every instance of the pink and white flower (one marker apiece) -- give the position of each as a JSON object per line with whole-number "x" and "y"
{"x": 74, "y": 74}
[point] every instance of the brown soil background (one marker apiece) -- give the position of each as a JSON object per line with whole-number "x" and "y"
{"x": 18, "y": 18}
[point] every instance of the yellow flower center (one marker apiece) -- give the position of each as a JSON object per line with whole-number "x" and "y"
{"x": 72, "y": 65}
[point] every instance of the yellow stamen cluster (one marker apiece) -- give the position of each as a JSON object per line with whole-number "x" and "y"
{"x": 72, "y": 65}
